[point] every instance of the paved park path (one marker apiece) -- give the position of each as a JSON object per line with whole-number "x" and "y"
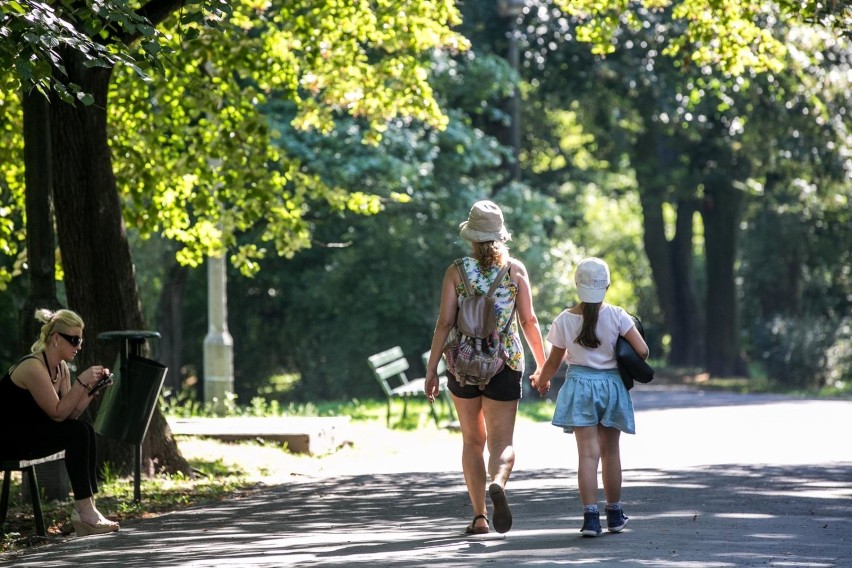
{"x": 711, "y": 480}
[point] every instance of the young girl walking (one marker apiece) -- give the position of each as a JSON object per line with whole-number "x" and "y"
{"x": 593, "y": 403}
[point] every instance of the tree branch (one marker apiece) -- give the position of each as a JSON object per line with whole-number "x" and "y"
{"x": 158, "y": 10}
{"x": 155, "y": 11}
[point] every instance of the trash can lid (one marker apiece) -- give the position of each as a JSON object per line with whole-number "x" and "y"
{"x": 129, "y": 334}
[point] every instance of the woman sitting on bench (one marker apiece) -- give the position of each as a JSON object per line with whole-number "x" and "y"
{"x": 39, "y": 404}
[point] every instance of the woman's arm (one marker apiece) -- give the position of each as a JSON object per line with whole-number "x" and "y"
{"x": 32, "y": 376}
{"x": 65, "y": 383}
{"x": 446, "y": 321}
{"x": 546, "y": 372}
{"x": 63, "y": 373}
{"x": 526, "y": 313}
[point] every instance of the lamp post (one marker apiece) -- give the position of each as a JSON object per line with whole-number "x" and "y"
{"x": 218, "y": 344}
{"x": 512, "y": 10}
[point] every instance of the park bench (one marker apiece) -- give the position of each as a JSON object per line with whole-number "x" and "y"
{"x": 27, "y": 468}
{"x": 389, "y": 368}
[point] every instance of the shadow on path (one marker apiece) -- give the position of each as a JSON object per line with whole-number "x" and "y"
{"x": 660, "y": 397}
{"x": 728, "y": 515}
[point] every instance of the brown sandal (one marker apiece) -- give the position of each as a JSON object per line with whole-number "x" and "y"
{"x": 473, "y": 529}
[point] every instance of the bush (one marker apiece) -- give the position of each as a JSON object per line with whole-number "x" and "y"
{"x": 806, "y": 352}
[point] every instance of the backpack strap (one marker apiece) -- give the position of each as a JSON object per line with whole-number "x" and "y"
{"x": 468, "y": 288}
{"x": 500, "y": 276}
{"x": 499, "y": 279}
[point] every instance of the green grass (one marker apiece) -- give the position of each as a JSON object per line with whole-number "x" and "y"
{"x": 363, "y": 410}
{"x": 536, "y": 410}
{"x": 182, "y": 405}
{"x": 212, "y": 481}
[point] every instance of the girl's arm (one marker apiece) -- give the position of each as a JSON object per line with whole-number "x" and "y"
{"x": 554, "y": 361}
{"x": 634, "y": 338}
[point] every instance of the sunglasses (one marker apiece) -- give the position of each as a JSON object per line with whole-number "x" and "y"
{"x": 74, "y": 340}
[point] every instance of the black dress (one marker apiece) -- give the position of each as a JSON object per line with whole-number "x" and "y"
{"x": 27, "y": 432}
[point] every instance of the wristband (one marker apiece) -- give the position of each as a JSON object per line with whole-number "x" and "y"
{"x": 84, "y": 385}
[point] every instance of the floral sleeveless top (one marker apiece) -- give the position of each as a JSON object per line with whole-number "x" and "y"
{"x": 504, "y": 305}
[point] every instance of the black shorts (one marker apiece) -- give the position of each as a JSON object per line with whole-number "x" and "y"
{"x": 504, "y": 386}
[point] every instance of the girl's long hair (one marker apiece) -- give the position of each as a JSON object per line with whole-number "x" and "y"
{"x": 587, "y": 336}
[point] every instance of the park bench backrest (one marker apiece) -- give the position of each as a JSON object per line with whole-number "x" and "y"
{"x": 389, "y": 369}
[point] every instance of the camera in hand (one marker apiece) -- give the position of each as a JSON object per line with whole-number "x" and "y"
{"x": 101, "y": 384}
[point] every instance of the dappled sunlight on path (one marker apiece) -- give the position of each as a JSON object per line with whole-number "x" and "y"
{"x": 762, "y": 482}
{"x": 712, "y": 516}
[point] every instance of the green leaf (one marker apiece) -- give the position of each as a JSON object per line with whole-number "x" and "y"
{"x": 85, "y": 98}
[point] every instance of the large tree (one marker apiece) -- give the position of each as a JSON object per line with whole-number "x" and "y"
{"x": 675, "y": 114}
{"x": 365, "y": 60}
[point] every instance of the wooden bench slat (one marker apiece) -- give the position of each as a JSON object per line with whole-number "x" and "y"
{"x": 392, "y": 369}
{"x": 27, "y": 466}
{"x": 391, "y": 364}
{"x": 21, "y": 464}
{"x": 384, "y": 357}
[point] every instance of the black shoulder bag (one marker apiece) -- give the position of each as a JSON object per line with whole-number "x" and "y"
{"x": 631, "y": 366}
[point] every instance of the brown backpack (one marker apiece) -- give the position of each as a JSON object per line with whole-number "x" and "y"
{"x": 473, "y": 348}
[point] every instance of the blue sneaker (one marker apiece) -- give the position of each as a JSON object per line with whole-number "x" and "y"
{"x": 591, "y": 524}
{"x": 615, "y": 520}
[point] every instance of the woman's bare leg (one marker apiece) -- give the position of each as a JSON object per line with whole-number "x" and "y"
{"x": 500, "y": 425}
{"x": 472, "y": 422}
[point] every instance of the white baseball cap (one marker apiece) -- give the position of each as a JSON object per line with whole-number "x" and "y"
{"x": 592, "y": 280}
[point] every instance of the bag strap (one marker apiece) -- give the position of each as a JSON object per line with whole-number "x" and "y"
{"x": 503, "y": 272}
{"x": 468, "y": 288}
{"x": 499, "y": 279}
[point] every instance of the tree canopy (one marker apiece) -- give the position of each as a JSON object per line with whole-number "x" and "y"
{"x": 329, "y": 58}
{"x": 194, "y": 156}
{"x": 241, "y": 128}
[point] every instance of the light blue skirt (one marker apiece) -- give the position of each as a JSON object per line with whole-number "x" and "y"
{"x": 589, "y": 397}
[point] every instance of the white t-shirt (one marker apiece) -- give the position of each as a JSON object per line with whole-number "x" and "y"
{"x": 612, "y": 322}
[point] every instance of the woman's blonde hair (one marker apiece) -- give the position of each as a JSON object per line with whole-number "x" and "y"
{"x": 490, "y": 253}
{"x": 62, "y": 319}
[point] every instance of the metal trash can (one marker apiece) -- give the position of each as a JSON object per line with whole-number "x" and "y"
{"x": 128, "y": 405}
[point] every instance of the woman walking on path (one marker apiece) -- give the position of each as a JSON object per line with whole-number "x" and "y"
{"x": 487, "y": 417}
{"x": 593, "y": 403}
{"x": 39, "y": 405}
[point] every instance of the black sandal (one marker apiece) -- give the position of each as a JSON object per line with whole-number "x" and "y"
{"x": 473, "y": 529}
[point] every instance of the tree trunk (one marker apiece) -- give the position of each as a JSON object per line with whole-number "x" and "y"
{"x": 657, "y": 248}
{"x": 170, "y": 318}
{"x": 41, "y": 246}
{"x": 689, "y": 351}
{"x": 670, "y": 261}
{"x": 721, "y": 213}
{"x": 99, "y": 273}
